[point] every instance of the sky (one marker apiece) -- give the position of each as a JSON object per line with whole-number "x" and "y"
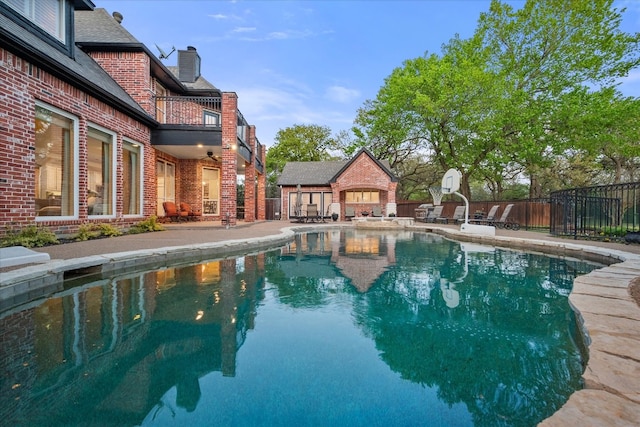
{"x": 314, "y": 61}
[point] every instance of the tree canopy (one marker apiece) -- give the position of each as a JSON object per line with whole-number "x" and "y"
{"x": 299, "y": 143}
{"x": 532, "y": 88}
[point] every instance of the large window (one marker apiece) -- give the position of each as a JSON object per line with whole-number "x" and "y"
{"x": 298, "y": 206}
{"x": 46, "y": 14}
{"x": 55, "y": 160}
{"x": 166, "y": 184}
{"x": 131, "y": 178}
{"x": 210, "y": 191}
{"x": 100, "y": 167}
{"x": 363, "y": 196}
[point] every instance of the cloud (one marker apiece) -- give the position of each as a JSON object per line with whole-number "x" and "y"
{"x": 244, "y": 29}
{"x": 282, "y": 104}
{"x": 341, "y": 94}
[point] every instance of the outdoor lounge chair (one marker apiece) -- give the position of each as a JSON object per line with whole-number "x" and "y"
{"x": 349, "y": 212}
{"x": 376, "y": 211}
{"x": 171, "y": 211}
{"x": 490, "y": 218}
{"x": 504, "y": 221}
{"x": 312, "y": 212}
{"x": 434, "y": 214}
{"x": 192, "y": 215}
{"x": 458, "y": 216}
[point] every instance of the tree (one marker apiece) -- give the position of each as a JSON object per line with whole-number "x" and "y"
{"x": 299, "y": 143}
{"x": 546, "y": 53}
{"x": 503, "y": 99}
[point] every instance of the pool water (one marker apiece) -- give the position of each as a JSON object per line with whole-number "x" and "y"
{"x": 357, "y": 328}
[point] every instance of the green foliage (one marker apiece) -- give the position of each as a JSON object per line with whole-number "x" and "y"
{"x": 29, "y": 237}
{"x": 532, "y": 87}
{"x": 299, "y": 143}
{"x": 148, "y": 225}
{"x": 95, "y": 231}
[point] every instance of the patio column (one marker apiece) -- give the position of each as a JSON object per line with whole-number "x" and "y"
{"x": 250, "y": 179}
{"x": 228, "y": 193}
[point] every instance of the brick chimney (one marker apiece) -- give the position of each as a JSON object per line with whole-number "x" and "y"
{"x": 188, "y": 65}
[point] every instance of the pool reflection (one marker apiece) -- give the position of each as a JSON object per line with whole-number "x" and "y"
{"x": 486, "y": 328}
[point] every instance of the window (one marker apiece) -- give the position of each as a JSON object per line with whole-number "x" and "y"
{"x": 46, "y": 14}
{"x": 131, "y": 178}
{"x": 56, "y": 166}
{"x": 363, "y": 196}
{"x": 100, "y": 167}
{"x": 210, "y": 191}
{"x": 166, "y": 184}
{"x": 211, "y": 118}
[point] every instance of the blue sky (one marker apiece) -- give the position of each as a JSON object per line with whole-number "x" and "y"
{"x": 308, "y": 62}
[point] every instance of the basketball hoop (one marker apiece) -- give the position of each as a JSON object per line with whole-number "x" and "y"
{"x": 436, "y": 193}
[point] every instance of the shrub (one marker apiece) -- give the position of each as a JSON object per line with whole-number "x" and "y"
{"x": 149, "y": 224}
{"x": 95, "y": 231}
{"x": 30, "y": 236}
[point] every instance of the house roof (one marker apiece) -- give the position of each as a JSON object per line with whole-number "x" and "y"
{"x": 81, "y": 71}
{"x": 323, "y": 172}
{"x": 200, "y": 84}
{"x": 99, "y": 31}
{"x": 99, "y": 26}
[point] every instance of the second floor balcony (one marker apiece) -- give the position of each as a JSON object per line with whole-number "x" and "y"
{"x": 189, "y": 110}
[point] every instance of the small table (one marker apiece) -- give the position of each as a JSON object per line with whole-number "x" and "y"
{"x": 364, "y": 213}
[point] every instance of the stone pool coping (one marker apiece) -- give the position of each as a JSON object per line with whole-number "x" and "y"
{"x": 611, "y": 396}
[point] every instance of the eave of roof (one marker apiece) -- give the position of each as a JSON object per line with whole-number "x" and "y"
{"x": 82, "y": 72}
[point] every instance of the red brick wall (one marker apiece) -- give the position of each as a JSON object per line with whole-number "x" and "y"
{"x": 228, "y": 202}
{"x": 26, "y": 84}
{"x": 132, "y": 71}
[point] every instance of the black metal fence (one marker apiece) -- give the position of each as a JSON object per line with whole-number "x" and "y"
{"x": 603, "y": 212}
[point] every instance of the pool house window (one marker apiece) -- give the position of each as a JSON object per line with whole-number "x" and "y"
{"x": 131, "y": 178}
{"x": 363, "y": 196}
{"x": 100, "y": 167}
{"x": 56, "y": 168}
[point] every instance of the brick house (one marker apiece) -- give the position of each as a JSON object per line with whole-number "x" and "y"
{"x": 360, "y": 185}
{"x": 95, "y": 128}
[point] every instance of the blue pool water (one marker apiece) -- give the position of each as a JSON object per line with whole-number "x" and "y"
{"x": 337, "y": 328}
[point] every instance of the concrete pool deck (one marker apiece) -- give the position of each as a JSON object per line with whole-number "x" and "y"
{"x": 608, "y": 311}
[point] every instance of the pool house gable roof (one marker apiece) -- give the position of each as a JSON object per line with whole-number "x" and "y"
{"x": 324, "y": 173}
{"x": 384, "y": 165}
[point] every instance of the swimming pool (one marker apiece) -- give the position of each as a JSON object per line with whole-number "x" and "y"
{"x": 338, "y": 327}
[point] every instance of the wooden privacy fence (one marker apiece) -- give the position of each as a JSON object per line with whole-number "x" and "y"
{"x": 529, "y": 213}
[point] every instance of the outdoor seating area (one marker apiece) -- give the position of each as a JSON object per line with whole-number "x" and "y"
{"x": 504, "y": 221}
{"x": 456, "y": 218}
{"x": 180, "y": 212}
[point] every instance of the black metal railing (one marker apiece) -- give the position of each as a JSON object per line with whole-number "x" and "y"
{"x": 603, "y": 212}
{"x": 189, "y": 110}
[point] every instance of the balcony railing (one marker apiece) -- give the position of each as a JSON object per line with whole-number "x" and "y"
{"x": 189, "y": 110}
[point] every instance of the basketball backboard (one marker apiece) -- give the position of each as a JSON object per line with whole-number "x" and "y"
{"x": 451, "y": 181}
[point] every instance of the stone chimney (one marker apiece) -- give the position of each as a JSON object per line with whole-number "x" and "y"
{"x": 188, "y": 65}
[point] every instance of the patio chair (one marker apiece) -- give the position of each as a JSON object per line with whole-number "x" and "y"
{"x": 458, "y": 216}
{"x": 434, "y": 214}
{"x": 377, "y": 211}
{"x": 349, "y": 212}
{"x": 490, "y": 218}
{"x": 312, "y": 212}
{"x": 504, "y": 221}
{"x": 192, "y": 215}
{"x": 171, "y": 211}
